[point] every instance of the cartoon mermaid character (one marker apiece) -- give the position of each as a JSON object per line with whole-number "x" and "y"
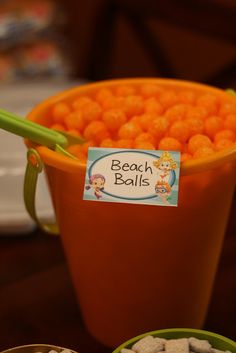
{"x": 165, "y": 164}
{"x": 163, "y": 190}
{"x": 96, "y": 182}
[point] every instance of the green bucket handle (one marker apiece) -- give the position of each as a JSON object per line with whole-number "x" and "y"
{"x": 42, "y": 135}
{"x": 34, "y": 167}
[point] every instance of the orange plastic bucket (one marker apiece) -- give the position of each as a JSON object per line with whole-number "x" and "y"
{"x": 137, "y": 268}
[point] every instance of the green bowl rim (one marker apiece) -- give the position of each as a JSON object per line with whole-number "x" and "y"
{"x": 38, "y": 346}
{"x": 177, "y": 330}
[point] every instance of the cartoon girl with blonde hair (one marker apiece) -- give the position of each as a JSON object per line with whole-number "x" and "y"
{"x": 96, "y": 182}
{"x": 165, "y": 164}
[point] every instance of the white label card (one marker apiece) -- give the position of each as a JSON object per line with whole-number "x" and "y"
{"x": 132, "y": 176}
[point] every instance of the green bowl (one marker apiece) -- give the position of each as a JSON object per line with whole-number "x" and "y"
{"x": 217, "y": 341}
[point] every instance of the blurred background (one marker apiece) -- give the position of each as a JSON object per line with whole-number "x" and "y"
{"x": 49, "y": 45}
{"x": 99, "y": 39}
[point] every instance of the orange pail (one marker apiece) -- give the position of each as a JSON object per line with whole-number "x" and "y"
{"x": 137, "y": 268}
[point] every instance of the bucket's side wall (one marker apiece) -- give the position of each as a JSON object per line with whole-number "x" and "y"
{"x": 144, "y": 267}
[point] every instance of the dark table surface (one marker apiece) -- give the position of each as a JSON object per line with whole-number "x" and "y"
{"x": 38, "y": 303}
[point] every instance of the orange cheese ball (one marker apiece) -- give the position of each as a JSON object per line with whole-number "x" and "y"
{"x": 185, "y": 157}
{"x": 91, "y": 111}
{"x": 180, "y": 131}
{"x": 158, "y": 127}
{"x": 203, "y": 152}
{"x": 227, "y": 108}
{"x": 224, "y": 134}
{"x": 169, "y": 144}
{"x": 129, "y": 130}
{"x": 213, "y": 124}
{"x": 125, "y": 90}
{"x": 74, "y": 132}
{"x": 135, "y": 120}
{"x": 80, "y": 102}
{"x": 96, "y": 131}
{"x": 75, "y": 120}
{"x": 197, "y": 141}
{"x": 168, "y": 98}
{"x": 210, "y": 102}
{"x": 186, "y": 97}
{"x": 185, "y": 147}
{"x": 114, "y": 119}
{"x": 230, "y": 122}
{"x": 124, "y": 143}
{"x": 74, "y": 149}
{"x": 77, "y": 151}
{"x": 133, "y": 105}
{"x": 86, "y": 146}
{"x": 58, "y": 127}
{"x": 81, "y": 157}
{"x": 145, "y": 137}
{"x": 108, "y": 143}
{"x": 177, "y": 112}
{"x": 103, "y": 94}
{"x": 144, "y": 120}
{"x": 152, "y": 106}
{"x": 150, "y": 90}
{"x": 60, "y": 111}
{"x": 196, "y": 113}
{"x": 145, "y": 145}
{"x": 222, "y": 144}
{"x": 195, "y": 126}
{"x": 113, "y": 103}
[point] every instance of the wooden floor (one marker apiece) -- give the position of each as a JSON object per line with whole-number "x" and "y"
{"x": 38, "y": 304}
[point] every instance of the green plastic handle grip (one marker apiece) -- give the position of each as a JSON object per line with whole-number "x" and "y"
{"x": 28, "y": 129}
{"x": 33, "y": 169}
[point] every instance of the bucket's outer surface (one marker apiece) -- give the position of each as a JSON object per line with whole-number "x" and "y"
{"x": 137, "y": 268}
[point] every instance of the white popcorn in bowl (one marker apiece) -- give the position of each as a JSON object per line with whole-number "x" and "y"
{"x": 150, "y": 344}
{"x": 199, "y": 346}
{"x": 180, "y": 345}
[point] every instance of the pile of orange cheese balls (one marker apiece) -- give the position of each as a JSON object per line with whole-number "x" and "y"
{"x": 148, "y": 117}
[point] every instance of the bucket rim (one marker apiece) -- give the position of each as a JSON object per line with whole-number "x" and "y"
{"x": 188, "y": 167}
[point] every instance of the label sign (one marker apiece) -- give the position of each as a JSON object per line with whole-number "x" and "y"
{"x": 132, "y": 176}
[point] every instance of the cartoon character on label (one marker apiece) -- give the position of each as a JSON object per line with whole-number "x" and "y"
{"x": 163, "y": 191}
{"x": 165, "y": 164}
{"x": 96, "y": 182}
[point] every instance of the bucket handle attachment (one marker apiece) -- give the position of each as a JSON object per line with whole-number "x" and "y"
{"x": 33, "y": 169}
